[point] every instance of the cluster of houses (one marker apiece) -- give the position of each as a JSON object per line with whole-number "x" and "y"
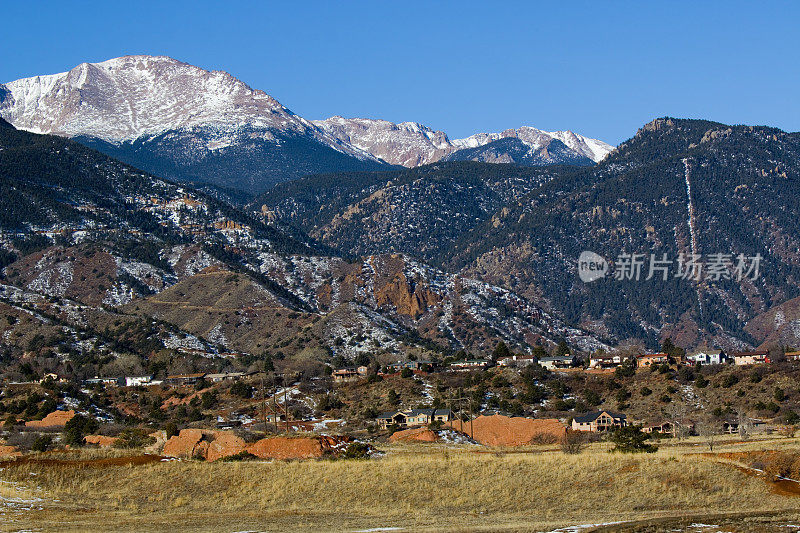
{"x": 597, "y": 362}
{"x": 702, "y": 357}
{"x": 174, "y": 380}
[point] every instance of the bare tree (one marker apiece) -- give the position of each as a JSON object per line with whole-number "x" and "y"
{"x": 709, "y": 432}
{"x": 573, "y": 442}
{"x": 745, "y": 425}
{"x": 677, "y": 413}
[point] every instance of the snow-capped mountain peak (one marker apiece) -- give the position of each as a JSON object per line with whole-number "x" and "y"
{"x": 131, "y": 96}
{"x": 412, "y": 144}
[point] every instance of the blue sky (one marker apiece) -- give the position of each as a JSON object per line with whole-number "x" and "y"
{"x": 599, "y": 68}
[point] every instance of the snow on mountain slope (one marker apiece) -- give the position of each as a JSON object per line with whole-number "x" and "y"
{"x": 411, "y": 144}
{"x": 129, "y": 97}
{"x": 129, "y": 101}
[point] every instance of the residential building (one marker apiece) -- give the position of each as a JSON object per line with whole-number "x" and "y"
{"x": 412, "y": 365}
{"x": 751, "y": 358}
{"x": 105, "y": 381}
{"x": 185, "y": 379}
{"x": 226, "y": 376}
{"x": 138, "y": 381}
{"x": 413, "y": 417}
{"x": 599, "y": 421}
{"x": 349, "y": 374}
{"x": 517, "y": 360}
{"x": 707, "y": 357}
{"x": 469, "y": 364}
{"x": 686, "y": 427}
{"x": 53, "y": 377}
{"x": 792, "y": 356}
{"x": 650, "y": 359}
{"x": 605, "y": 361}
{"x": 556, "y": 362}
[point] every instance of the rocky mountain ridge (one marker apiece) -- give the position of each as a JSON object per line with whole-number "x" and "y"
{"x": 411, "y": 144}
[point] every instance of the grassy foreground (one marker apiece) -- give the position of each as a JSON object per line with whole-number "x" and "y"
{"x": 416, "y": 487}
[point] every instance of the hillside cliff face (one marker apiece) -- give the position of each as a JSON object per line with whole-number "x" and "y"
{"x": 93, "y": 250}
{"x": 676, "y": 187}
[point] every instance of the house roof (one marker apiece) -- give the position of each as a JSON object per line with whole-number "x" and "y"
{"x": 187, "y": 376}
{"x": 558, "y": 358}
{"x": 591, "y": 417}
{"x": 415, "y": 412}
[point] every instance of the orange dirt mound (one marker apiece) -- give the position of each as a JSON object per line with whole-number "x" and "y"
{"x": 499, "y": 430}
{"x": 9, "y": 451}
{"x": 418, "y": 435}
{"x": 101, "y": 440}
{"x": 54, "y": 419}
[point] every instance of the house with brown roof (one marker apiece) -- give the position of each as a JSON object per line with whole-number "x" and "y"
{"x": 792, "y": 356}
{"x": 185, "y": 379}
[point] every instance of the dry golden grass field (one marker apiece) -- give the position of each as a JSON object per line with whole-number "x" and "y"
{"x": 416, "y": 487}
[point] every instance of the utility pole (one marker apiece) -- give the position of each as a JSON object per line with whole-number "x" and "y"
{"x": 460, "y": 401}
{"x": 264, "y": 399}
{"x": 285, "y": 403}
{"x": 471, "y": 418}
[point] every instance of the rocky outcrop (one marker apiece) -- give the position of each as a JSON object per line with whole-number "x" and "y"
{"x": 215, "y": 445}
{"x": 415, "y": 435}
{"x": 405, "y": 297}
{"x": 499, "y": 430}
{"x": 9, "y": 451}
{"x": 100, "y": 440}
{"x": 56, "y": 419}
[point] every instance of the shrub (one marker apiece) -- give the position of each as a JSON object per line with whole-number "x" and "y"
{"x": 241, "y": 456}
{"x": 573, "y": 442}
{"x": 592, "y": 398}
{"x": 171, "y": 429}
{"x": 77, "y": 428}
{"x": 357, "y": 450}
{"x": 406, "y": 373}
{"x": 646, "y": 391}
{"x": 134, "y": 438}
{"x": 242, "y": 390}
{"x": 631, "y": 439}
{"x": 42, "y": 443}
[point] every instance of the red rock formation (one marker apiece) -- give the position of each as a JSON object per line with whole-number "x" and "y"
{"x": 100, "y": 440}
{"x": 9, "y": 451}
{"x": 417, "y": 434}
{"x": 215, "y": 445}
{"x": 56, "y": 419}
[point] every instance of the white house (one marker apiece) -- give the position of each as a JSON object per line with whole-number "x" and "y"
{"x": 138, "y": 381}
{"x": 517, "y": 360}
{"x": 708, "y": 357}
